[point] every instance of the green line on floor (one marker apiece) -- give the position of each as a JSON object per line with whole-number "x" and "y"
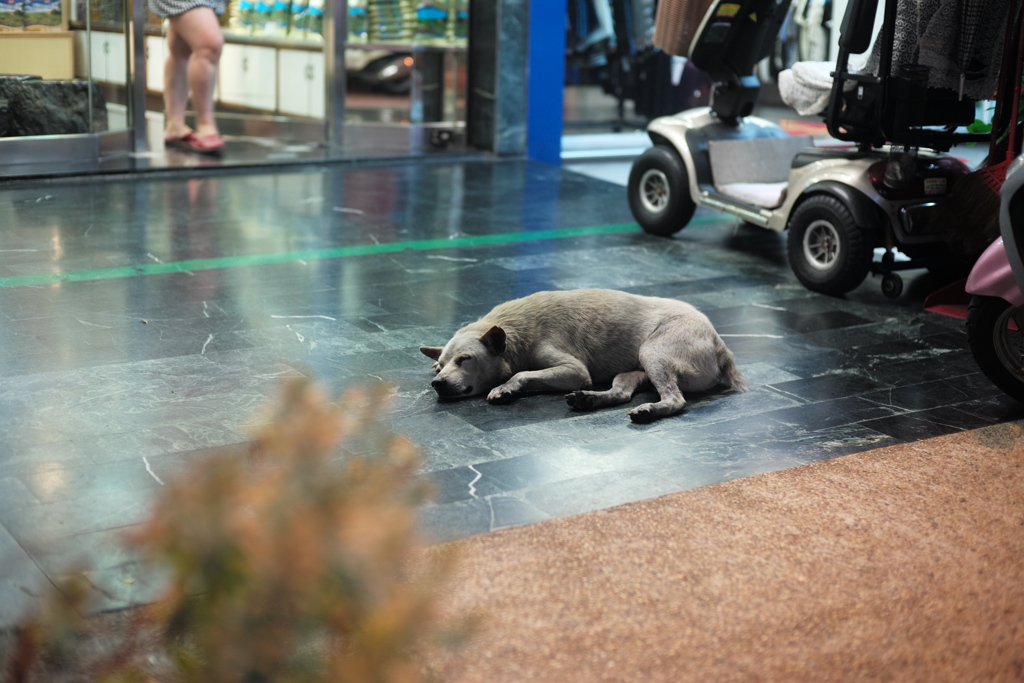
{"x": 313, "y": 254}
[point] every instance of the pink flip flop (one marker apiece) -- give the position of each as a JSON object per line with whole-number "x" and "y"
{"x": 190, "y": 142}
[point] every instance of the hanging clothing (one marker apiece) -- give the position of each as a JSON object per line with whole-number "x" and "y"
{"x": 958, "y": 40}
{"x": 676, "y": 23}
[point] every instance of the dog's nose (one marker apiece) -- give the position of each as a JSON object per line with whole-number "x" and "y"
{"x": 440, "y": 384}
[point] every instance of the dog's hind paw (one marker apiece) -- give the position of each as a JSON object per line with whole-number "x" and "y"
{"x": 580, "y": 400}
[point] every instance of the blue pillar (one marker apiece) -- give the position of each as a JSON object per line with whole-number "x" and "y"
{"x": 546, "y": 80}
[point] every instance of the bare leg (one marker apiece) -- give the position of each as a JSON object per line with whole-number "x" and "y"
{"x": 194, "y": 43}
{"x": 623, "y": 387}
{"x": 175, "y": 84}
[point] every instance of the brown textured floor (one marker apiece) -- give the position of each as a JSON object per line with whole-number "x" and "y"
{"x": 900, "y": 564}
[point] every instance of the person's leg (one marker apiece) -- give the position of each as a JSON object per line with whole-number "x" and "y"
{"x": 199, "y": 32}
{"x": 176, "y": 84}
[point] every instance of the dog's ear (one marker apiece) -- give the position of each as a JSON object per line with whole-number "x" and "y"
{"x": 432, "y": 352}
{"x": 494, "y": 340}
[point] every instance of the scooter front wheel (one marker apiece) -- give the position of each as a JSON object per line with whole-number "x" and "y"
{"x": 659, "y": 192}
{"x": 995, "y": 334}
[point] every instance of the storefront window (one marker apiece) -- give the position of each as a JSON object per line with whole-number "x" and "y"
{"x": 71, "y": 71}
{"x": 47, "y": 86}
{"x": 406, "y": 64}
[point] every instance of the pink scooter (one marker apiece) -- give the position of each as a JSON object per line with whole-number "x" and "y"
{"x": 995, "y": 318}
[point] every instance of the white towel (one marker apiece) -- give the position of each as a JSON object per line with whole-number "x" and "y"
{"x": 807, "y": 85}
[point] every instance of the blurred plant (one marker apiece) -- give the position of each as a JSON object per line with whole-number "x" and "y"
{"x": 979, "y": 126}
{"x": 297, "y": 560}
{"x": 60, "y": 644}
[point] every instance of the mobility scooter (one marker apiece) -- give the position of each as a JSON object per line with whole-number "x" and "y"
{"x": 877, "y": 188}
{"x": 995, "y": 318}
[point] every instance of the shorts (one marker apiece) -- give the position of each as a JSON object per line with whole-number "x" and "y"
{"x": 172, "y": 8}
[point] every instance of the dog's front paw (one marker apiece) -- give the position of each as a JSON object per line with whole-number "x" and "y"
{"x": 643, "y": 414}
{"x": 501, "y": 395}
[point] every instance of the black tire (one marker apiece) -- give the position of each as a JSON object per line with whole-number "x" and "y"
{"x": 997, "y": 349}
{"x": 659, "y": 192}
{"x": 401, "y": 85}
{"x": 892, "y": 285}
{"x": 828, "y": 252}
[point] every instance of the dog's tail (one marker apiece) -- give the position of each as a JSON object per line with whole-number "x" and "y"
{"x": 731, "y": 375}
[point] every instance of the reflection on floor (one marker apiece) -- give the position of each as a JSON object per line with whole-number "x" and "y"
{"x": 144, "y": 320}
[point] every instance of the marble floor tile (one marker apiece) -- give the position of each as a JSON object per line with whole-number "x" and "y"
{"x": 23, "y": 585}
{"x": 145, "y": 323}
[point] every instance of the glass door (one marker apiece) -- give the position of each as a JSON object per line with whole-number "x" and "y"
{"x": 406, "y": 63}
{"x": 64, "y": 96}
{"x": 274, "y": 82}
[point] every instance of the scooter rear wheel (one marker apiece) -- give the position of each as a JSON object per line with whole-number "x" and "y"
{"x": 995, "y": 334}
{"x": 828, "y": 252}
{"x": 659, "y": 192}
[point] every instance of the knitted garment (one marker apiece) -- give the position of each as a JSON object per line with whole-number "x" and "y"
{"x": 172, "y": 8}
{"x": 958, "y": 40}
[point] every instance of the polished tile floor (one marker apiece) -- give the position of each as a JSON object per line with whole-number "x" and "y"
{"x": 143, "y": 321}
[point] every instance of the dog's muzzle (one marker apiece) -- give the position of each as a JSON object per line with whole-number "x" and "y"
{"x": 446, "y": 390}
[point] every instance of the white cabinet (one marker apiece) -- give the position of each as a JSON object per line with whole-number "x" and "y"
{"x": 284, "y": 80}
{"x": 156, "y": 55}
{"x": 248, "y": 76}
{"x": 106, "y": 56}
{"x": 301, "y": 79}
{"x": 109, "y": 62}
{"x": 287, "y": 81}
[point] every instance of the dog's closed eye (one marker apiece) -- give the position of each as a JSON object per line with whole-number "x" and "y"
{"x": 462, "y": 359}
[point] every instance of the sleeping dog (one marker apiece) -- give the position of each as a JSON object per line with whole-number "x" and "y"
{"x": 571, "y": 340}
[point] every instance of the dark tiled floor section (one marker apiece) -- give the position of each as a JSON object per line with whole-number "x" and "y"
{"x": 112, "y": 384}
